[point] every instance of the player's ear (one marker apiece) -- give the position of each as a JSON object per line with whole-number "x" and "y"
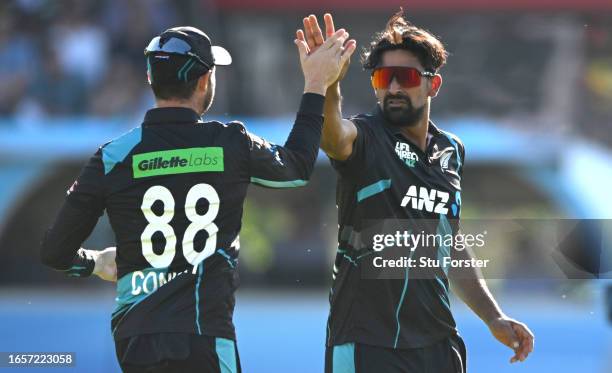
{"x": 203, "y": 81}
{"x": 436, "y": 83}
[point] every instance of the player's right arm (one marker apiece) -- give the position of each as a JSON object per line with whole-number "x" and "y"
{"x": 338, "y": 134}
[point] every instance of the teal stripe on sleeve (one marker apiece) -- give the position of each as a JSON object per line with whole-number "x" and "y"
{"x": 116, "y": 151}
{"x": 75, "y": 271}
{"x": 279, "y": 184}
{"x": 373, "y": 189}
{"x": 400, "y": 303}
{"x": 197, "y": 296}
{"x": 226, "y": 352}
{"x": 344, "y": 358}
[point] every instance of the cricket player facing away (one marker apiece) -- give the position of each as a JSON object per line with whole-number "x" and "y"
{"x": 399, "y": 325}
{"x": 173, "y": 189}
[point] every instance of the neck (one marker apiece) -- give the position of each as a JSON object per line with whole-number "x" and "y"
{"x": 418, "y": 133}
{"x": 159, "y": 103}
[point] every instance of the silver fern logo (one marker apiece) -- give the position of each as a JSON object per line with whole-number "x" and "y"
{"x": 444, "y": 161}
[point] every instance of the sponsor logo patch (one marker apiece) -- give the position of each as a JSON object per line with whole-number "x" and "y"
{"x": 178, "y": 161}
{"x": 424, "y": 199}
{"x": 404, "y": 153}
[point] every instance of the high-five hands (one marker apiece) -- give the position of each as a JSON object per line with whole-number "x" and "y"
{"x": 323, "y": 61}
{"x": 313, "y": 37}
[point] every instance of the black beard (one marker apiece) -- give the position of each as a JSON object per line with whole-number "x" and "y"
{"x": 406, "y": 116}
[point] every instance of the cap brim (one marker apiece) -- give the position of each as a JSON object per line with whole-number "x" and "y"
{"x": 221, "y": 56}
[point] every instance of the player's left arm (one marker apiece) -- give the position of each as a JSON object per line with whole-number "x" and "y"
{"x": 83, "y": 206}
{"x": 470, "y": 286}
{"x": 291, "y": 164}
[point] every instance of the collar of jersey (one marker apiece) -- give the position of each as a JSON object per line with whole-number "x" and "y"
{"x": 171, "y": 115}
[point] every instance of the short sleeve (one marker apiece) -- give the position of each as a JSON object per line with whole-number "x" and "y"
{"x": 361, "y": 156}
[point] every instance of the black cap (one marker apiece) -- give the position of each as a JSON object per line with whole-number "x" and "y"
{"x": 182, "y": 54}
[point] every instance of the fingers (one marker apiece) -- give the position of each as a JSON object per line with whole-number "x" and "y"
{"x": 336, "y": 40}
{"x": 309, "y": 31}
{"x": 329, "y": 25}
{"x": 302, "y": 48}
{"x": 316, "y": 29}
{"x": 510, "y": 339}
{"x": 352, "y": 43}
{"x": 299, "y": 34}
{"x": 526, "y": 340}
{"x": 334, "y": 43}
{"x": 349, "y": 48}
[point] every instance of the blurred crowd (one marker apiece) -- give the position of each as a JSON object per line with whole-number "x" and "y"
{"x": 60, "y": 58}
{"x": 67, "y": 58}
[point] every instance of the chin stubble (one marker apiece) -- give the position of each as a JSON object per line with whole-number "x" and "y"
{"x": 406, "y": 116}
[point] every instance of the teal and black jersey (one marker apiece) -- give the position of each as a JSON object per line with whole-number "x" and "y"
{"x": 173, "y": 190}
{"x": 387, "y": 178}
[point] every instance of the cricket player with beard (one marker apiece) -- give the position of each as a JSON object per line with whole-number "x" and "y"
{"x": 398, "y": 325}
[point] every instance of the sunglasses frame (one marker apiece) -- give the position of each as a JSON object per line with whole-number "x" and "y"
{"x": 154, "y": 48}
{"x": 426, "y": 74}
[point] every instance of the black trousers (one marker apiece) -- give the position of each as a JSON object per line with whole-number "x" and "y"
{"x": 446, "y": 356}
{"x": 176, "y": 352}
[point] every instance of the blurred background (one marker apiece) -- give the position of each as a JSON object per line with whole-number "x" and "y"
{"x": 528, "y": 88}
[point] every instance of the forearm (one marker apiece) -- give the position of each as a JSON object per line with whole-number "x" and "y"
{"x": 332, "y": 114}
{"x": 305, "y": 137}
{"x": 472, "y": 289}
{"x": 61, "y": 246}
{"x": 82, "y": 264}
{"x": 335, "y": 138}
{"x": 476, "y": 295}
{"x": 290, "y": 165}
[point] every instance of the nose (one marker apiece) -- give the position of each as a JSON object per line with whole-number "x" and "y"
{"x": 394, "y": 86}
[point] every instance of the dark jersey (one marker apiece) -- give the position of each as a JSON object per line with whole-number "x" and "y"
{"x": 173, "y": 190}
{"x": 387, "y": 177}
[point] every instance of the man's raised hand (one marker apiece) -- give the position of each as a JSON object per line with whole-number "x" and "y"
{"x": 313, "y": 37}
{"x": 323, "y": 66}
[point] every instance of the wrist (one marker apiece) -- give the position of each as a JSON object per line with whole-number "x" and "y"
{"x": 312, "y": 103}
{"x": 494, "y": 316}
{"x": 314, "y": 86}
{"x": 333, "y": 90}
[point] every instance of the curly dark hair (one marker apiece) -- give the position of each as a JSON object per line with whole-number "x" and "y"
{"x": 401, "y": 34}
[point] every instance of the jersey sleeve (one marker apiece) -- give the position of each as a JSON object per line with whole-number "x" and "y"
{"x": 360, "y": 158}
{"x": 80, "y": 211}
{"x": 291, "y": 165}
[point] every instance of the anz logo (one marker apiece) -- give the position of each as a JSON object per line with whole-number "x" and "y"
{"x": 426, "y": 200}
